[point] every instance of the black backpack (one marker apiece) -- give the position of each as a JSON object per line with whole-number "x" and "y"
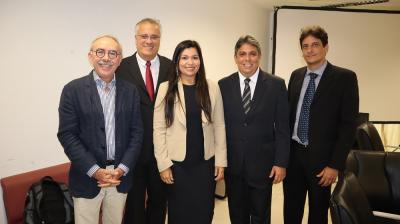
{"x": 48, "y": 202}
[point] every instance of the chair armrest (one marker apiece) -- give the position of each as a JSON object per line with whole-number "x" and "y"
{"x": 386, "y": 215}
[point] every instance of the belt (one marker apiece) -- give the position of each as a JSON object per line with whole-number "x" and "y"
{"x": 300, "y": 146}
{"x": 109, "y": 162}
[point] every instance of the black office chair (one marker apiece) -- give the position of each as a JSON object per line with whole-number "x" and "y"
{"x": 370, "y": 169}
{"x": 368, "y": 137}
{"x": 348, "y": 203}
{"x": 378, "y": 176}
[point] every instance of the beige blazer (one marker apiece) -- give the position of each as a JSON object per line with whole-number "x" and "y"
{"x": 170, "y": 143}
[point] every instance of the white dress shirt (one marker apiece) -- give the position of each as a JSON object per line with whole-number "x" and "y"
{"x": 253, "y": 81}
{"x": 154, "y": 67}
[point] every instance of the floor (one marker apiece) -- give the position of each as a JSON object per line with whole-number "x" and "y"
{"x": 221, "y": 214}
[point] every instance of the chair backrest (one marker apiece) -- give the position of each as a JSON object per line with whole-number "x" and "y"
{"x": 368, "y": 137}
{"x": 348, "y": 203}
{"x": 16, "y": 187}
{"x": 392, "y": 167}
{"x": 369, "y": 167}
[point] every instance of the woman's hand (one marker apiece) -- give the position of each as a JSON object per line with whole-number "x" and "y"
{"x": 166, "y": 176}
{"x": 219, "y": 173}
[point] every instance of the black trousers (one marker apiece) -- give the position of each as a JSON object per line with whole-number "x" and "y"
{"x": 248, "y": 204}
{"x": 300, "y": 179}
{"x": 146, "y": 179}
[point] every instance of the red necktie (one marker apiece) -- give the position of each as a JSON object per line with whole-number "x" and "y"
{"x": 149, "y": 81}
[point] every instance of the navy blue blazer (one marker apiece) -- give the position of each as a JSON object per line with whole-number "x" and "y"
{"x": 82, "y": 133}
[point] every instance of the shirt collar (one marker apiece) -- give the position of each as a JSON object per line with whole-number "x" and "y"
{"x": 142, "y": 62}
{"x": 101, "y": 82}
{"x": 319, "y": 71}
{"x": 253, "y": 77}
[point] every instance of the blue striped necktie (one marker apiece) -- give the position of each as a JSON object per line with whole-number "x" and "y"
{"x": 304, "y": 119}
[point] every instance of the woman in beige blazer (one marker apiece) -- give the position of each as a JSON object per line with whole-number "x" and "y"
{"x": 189, "y": 137}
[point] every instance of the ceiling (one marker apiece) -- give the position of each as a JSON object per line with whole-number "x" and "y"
{"x": 270, "y": 4}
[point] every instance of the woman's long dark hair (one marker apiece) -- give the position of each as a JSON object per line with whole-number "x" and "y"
{"x": 202, "y": 95}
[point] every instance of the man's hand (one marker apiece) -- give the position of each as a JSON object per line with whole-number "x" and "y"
{"x": 166, "y": 176}
{"x": 278, "y": 173}
{"x": 328, "y": 176}
{"x": 104, "y": 178}
{"x": 102, "y": 175}
{"x": 117, "y": 173}
{"x": 219, "y": 173}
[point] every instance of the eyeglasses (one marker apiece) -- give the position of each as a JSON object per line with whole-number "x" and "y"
{"x": 100, "y": 53}
{"x": 144, "y": 37}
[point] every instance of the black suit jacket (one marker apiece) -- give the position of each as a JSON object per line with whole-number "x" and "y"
{"x": 259, "y": 140}
{"x": 333, "y": 115}
{"x": 82, "y": 132}
{"x": 129, "y": 71}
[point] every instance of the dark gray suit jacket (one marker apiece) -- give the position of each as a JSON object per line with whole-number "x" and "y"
{"x": 82, "y": 133}
{"x": 259, "y": 140}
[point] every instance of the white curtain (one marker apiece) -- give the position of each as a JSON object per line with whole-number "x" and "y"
{"x": 390, "y": 135}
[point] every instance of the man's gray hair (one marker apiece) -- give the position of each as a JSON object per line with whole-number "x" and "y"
{"x": 119, "y": 47}
{"x": 148, "y": 20}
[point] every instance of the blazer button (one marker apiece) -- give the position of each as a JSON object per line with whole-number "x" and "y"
{"x": 102, "y": 128}
{"x": 244, "y": 124}
{"x": 103, "y": 147}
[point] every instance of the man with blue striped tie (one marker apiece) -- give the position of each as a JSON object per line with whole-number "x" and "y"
{"x": 323, "y": 101}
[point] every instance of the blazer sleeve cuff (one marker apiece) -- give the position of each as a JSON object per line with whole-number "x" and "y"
{"x": 163, "y": 165}
{"x": 124, "y": 168}
{"x": 92, "y": 170}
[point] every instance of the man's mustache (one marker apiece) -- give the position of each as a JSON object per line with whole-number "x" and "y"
{"x": 104, "y": 62}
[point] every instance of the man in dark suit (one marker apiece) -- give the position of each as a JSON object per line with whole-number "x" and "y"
{"x": 257, "y": 131}
{"x": 146, "y": 70}
{"x": 101, "y": 132}
{"x": 323, "y": 111}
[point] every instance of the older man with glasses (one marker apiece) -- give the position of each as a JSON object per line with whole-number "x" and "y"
{"x": 101, "y": 132}
{"x": 146, "y": 70}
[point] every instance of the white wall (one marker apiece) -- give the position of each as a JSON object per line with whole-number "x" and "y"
{"x": 44, "y": 45}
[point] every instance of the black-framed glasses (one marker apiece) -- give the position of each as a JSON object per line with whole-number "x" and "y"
{"x": 146, "y": 37}
{"x": 100, "y": 53}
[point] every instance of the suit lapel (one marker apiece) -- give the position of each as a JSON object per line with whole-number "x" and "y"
{"x": 162, "y": 74}
{"x": 119, "y": 97}
{"x": 180, "y": 108}
{"x": 258, "y": 92}
{"x": 137, "y": 75}
{"x": 326, "y": 80}
{"x": 296, "y": 87}
{"x": 237, "y": 93}
{"x": 92, "y": 92}
{"x": 203, "y": 118}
